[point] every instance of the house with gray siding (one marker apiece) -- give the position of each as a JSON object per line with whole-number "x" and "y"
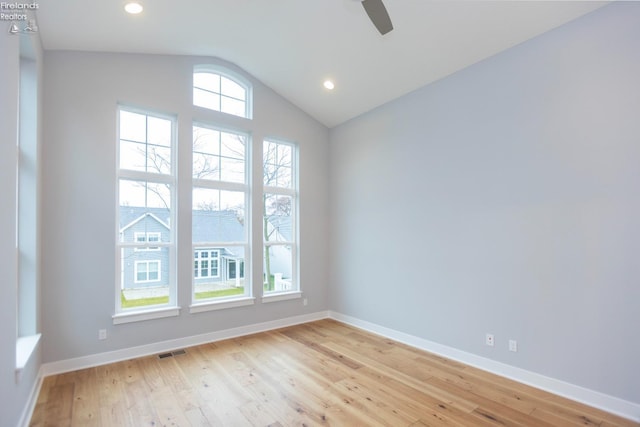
{"x": 147, "y": 266}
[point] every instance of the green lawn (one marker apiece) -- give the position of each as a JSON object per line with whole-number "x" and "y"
{"x": 220, "y": 293}
{"x": 143, "y": 302}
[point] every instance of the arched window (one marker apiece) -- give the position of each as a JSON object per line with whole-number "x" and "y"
{"x": 220, "y": 90}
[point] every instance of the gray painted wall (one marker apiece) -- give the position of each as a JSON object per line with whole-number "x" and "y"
{"x": 14, "y": 390}
{"x": 81, "y": 95}
{"x": 508, "y": 195}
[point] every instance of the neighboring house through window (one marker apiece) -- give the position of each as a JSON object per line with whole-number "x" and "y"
{"x": 147, "y": 271}
{"x": 146, "y": 182}
{"x": 147, "y": 237}
{"x": 219, "y": 213}
{"x": 206, "y": 263}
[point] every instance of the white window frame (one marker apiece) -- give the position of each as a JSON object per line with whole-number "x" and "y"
{"x": 152, "y": 311}
{"x": 294, "y": 291}
{"x": 223, "y": 72}
{"x": 214, "y": 184}
{"x": 136, "y": 270}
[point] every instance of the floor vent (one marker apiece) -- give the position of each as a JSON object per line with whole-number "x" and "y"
{"x": 171, "y": 354}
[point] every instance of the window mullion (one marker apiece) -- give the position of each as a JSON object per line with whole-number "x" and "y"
{"x": 146, "y": 176}
{"x": 219, "y": 185}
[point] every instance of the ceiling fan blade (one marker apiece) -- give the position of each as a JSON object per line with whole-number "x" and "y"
{"x": 378, "y": 15}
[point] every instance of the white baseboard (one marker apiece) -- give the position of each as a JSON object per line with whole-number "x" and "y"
{"x": 90, "y": 361}
{"x": 611, "y": 404}
{"x": 592, "y": 398}
{"x": 27, "y": 412}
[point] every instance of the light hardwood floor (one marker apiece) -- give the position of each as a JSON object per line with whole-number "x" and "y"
{"x": 319, "y": 373}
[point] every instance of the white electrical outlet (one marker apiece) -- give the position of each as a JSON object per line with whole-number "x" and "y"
{"x": 513, "y": 345}
{"x": 489, "y": 340}
{"x": 305, "y": 301}
{"x": 102, "y": 334}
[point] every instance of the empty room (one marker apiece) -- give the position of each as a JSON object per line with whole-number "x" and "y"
{"x": 336, "y": 212}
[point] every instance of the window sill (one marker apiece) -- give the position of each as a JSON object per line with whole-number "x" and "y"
{"x": 25, "y": 347}
{"x": 220, "y": 305}
{"x": 139, "y": 316}
{"x": 281, "y": 296}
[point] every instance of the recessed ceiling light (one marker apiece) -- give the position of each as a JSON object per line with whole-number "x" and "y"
{"x": 328, "y": 84}
{"x": 133, "y": 7}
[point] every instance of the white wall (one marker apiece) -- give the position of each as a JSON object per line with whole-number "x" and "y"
{"x": 82, "y": 91}
{"x": 15, "y": 390}
{"x": 505, "y": 199}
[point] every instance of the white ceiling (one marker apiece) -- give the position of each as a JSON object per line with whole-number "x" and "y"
{"x": 293, "y": 45}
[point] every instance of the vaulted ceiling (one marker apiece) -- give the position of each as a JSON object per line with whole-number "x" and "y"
{"x": 294, "y": 45}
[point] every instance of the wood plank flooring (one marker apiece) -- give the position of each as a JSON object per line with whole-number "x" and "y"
{"x": 319, "y": 373}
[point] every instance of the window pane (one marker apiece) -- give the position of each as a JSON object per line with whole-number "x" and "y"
{"x": 218, "y": 155}
{"x": 278, "y": 262}
{"x": 232, "y": 89}
{"x": 231, "y": 170}
{"x": 206, "y": 166}
{"x": 144, "y": 207}
{"x": 269, "y": 152}
{"x": 133, "y": 126}
{"x": 144, "y": 194}
{"x": 145, "y": 143}
{"x": 277, "y": 164}
{"x": 284, "y": 155}
{"x": 205, "y": 99}
{"x": 145, "y": 158}
{"x": 232, "y": 145}
{"x": 206, "y": 140}
{"x": 233, "y": 106}
{"x": 278, "y": 218}
{"x": 159, "y": 131}
{"x": 283, "y": 178}
{"x": 218, "y": 216}
{"x": 158, "y": 160}
{"x": 209, "y": 81}
{"x": 206, "y": 150}
{"x": 133, "y": 156}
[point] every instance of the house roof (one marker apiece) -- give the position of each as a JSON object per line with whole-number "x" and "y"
{"x": 208, "y": 226}
{"x": 216, "y": 226}
{"x": 141, "y": 216}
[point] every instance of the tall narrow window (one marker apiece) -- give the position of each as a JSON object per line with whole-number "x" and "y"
{"x": 220, "y": 91}
{"x": 146, "y": 236}
{"x": 279, "y": 223}
{"x": 219, "y": 221}
{"x": 27, "y": 242}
